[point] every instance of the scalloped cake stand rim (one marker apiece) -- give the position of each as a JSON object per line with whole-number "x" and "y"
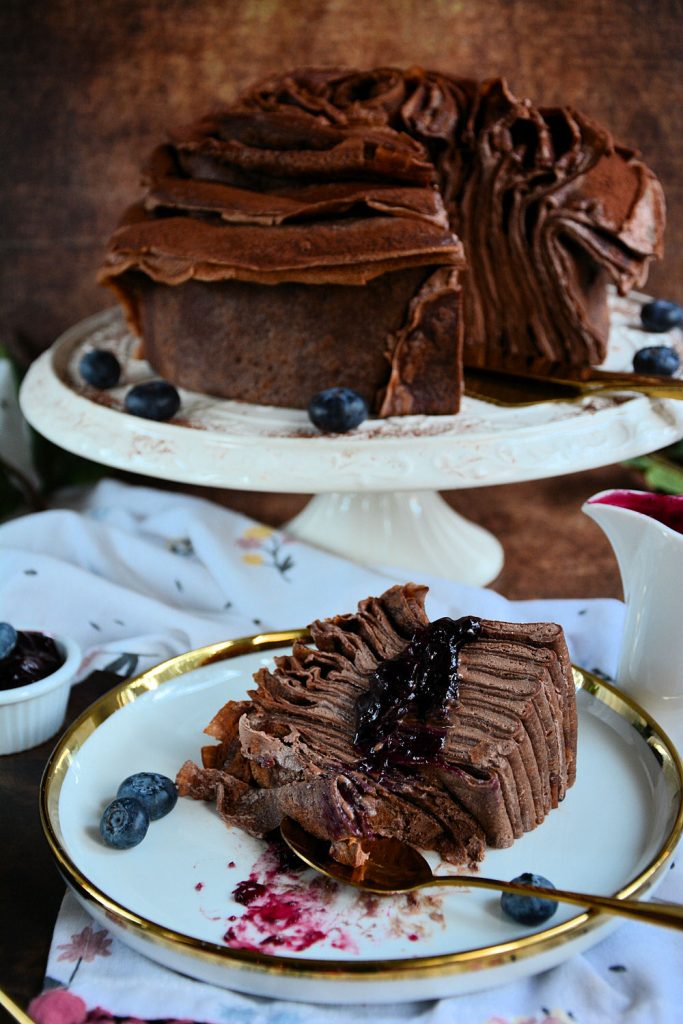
{"x": 382, "y": 476}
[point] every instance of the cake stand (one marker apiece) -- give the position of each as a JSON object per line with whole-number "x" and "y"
{"x": 375, "y": 489}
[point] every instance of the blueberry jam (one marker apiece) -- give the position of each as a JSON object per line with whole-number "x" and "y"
{"x": 665, "y": 508}
{"x": 31, "y": 658}
{"x": 402, "y": 718}
{"x": 248, "y": 891}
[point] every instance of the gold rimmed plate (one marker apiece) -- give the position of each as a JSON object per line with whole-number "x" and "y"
{"x": 222, "y": 907}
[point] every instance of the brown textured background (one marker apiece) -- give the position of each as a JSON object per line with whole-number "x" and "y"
{"x": 88, "y": 88}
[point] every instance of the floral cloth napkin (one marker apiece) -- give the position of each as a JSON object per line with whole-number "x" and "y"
{"x": 152, "y": 573}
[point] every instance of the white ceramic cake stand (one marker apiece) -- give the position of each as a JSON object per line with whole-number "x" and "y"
{"x": 375, "y": 489}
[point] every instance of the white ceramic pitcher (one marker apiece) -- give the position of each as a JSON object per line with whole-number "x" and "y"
{"x": 646, "y": 534}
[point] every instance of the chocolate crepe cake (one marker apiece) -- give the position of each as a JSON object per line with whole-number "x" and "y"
{"x": 451, "y": 735}
{"x": 313, "y": 234}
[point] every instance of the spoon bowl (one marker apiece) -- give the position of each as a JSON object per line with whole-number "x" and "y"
{"x": 394, "y": 867}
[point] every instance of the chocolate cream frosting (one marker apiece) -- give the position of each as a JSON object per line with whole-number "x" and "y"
{"x": 337, "y": 176}
{"x": 507, "y": 732}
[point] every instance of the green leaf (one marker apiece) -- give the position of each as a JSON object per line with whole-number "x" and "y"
{"x": 660, "y": 473}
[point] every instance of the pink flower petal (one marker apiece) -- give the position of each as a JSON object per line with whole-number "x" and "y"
{"x": 57, "y": 1007}
{"x": 86, "y": 945}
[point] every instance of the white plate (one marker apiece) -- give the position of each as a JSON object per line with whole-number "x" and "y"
{"x": 304, "y": 938}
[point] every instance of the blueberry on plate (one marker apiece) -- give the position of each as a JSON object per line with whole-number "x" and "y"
{"x": 660, "y": 360}
{"x": 153, "y": 400}
{"x": 528, "y": 909}
{"x": 100, "y": 368}
{"x": 155, "y": 792}
{"x": 661, "y": 315}
{"x": 124, "y": 823}
{"x": 8, "y": 639}
{"x": 337, "y": 410}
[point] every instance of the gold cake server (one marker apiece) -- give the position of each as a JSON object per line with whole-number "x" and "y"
{"x": 519, "y": 389}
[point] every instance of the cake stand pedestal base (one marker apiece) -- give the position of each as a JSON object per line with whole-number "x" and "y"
{"x": 413, "y": 530}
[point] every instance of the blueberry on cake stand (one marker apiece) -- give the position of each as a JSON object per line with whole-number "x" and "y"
{"x": 375, "y": 489}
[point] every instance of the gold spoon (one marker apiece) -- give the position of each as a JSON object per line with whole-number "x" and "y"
{"x": 394, "y": 867}
{"x": 519, "y": 389}
{"x": 13, "y": 1010}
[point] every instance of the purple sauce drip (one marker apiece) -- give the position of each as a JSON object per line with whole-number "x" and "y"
{"x": 33, "y": 657}
{"x": 665, "y": 508}
{"x": 248, "y": 891}
{"x": 402, "y": 718}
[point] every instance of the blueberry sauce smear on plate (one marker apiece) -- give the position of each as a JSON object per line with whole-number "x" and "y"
{"x": 402, "y": 718}
{"x": 26, "y": 657}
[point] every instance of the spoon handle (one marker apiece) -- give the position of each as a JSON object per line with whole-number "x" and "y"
{"x": 13, "y": 1010}
{"x": 668, "y": 914}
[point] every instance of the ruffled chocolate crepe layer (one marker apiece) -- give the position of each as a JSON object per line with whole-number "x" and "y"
{"x": 173, "y": 249}
{"x": 548, "y": 206}
{"x": 337, "y": 177}
{"x": 508, "y": 758}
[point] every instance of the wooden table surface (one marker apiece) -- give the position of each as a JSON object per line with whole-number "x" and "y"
{"x": 552, "y": 550}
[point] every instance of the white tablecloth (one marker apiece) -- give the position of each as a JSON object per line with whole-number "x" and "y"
{"x": 136, "y": 575}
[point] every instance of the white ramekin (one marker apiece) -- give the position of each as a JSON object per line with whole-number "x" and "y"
{"x": 31, "y": 714}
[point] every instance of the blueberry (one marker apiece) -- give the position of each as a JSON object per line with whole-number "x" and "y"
{"x": 155, "y": 792}
{"x": 154, "y": 400}
{"x": 8, "y": 639}
{"x": 661, "y": 315}
{"x": 124, "y": 823}
{"x": 656, "y": 359}
{"x": 100, "y": 368}
{"x": 337, "y": 410}
{"x": 528, "y": 909}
